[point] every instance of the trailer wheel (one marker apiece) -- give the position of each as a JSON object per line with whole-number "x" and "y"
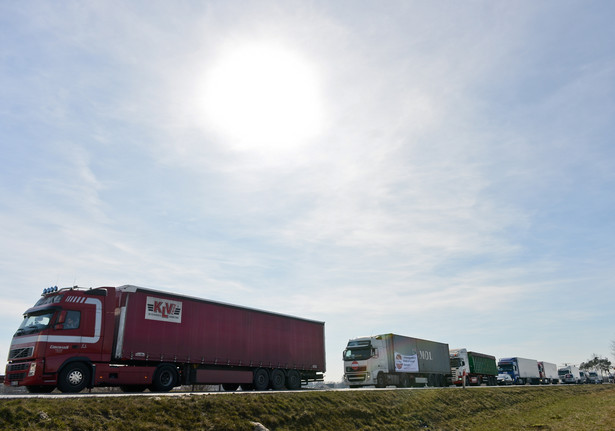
{"x": 133, "y": 388}
{"x": 293, "y": 380}
{"x": 165, "y": 379}
{"x": 404, "y": 381}
{"x": 440, "y": 379}
{"x": 431, "y": 380}
{"x": 277, "y": 380}
{"x": 261, "y": 379}
{"x": 74, "y": 377}
{"x": 247, "y": 387}
{"x": 230, "y": 387}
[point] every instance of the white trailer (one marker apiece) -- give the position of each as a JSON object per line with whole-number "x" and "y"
{"x": 548, "y": 373}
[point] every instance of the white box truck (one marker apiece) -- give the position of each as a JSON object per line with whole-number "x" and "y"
{"x": 569, "y": 374}
{"x": 521, "y": 370}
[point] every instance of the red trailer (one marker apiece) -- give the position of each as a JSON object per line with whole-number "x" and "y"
{"x": 140, "y": 338}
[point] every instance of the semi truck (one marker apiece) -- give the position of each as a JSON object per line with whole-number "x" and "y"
{"x": 390, "y": 359}
{"x": 521, "y": 370}
{"x": 548, "y": 373}
{"x": 138, "y": 338}
{"x": 569, "y": 374}
{"x": 474, "y": 367}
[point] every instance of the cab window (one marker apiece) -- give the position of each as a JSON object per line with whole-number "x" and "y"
{"x": 73, "y": 318}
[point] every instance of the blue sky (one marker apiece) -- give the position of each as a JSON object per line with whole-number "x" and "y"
{"x": 443, "y": 170}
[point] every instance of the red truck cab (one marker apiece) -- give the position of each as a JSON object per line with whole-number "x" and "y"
{"x": 65, "y": 326}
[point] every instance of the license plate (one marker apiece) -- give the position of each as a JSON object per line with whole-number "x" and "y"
{"x": 15, "y": 383}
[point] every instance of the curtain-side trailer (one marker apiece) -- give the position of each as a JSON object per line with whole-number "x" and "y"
{"x": 138, "y": 338}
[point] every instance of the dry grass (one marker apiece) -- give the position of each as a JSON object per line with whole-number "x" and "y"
{"x": 517, "y": 408}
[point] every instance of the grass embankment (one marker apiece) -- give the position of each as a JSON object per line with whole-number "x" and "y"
{"x": 518, "y": 408}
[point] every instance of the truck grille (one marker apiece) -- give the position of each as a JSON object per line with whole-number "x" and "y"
{"x": 17, "y": 367}
{"x": 16, "y": 376}
{"x": 352, "y": 370}
{"x": 358, "y": 377}
{"x": 24, "y": 352}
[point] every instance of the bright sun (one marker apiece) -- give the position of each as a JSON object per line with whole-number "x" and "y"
{"x": 263, "y": 97}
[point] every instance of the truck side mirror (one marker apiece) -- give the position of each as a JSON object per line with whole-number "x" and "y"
{"x": 61, "y": 317}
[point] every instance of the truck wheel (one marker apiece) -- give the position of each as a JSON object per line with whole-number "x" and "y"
{"x": 40, "y": 389}
{"x": 247, "y": 387}
{"x": 165, "y": 379}
{"x": 74, "y": 377}
{"x": 261, "y": 379}
{"x": 277, "y": 380}
{"x": 381, "y": 381}
{"x": 293, "y": 380}
{"x": 230, "y": 387}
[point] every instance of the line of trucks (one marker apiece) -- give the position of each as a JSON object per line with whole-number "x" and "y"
{"x": 137, "y": 338}
{"x": 391, "y": 359}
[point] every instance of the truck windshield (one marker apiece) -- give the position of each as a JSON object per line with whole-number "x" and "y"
{"x": 35, "y": 322}
{"x": 456, "y": 362}
{"x": 357, "y": 354}
{"x": 505, "y": 368}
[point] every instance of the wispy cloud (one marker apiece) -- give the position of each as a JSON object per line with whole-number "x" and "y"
{"x": 462, "y": 173}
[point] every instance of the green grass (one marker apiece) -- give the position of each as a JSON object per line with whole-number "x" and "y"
{"x": 517, "y": 408}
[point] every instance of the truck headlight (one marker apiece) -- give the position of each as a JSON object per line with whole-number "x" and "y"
{"x": 32, "y": 369}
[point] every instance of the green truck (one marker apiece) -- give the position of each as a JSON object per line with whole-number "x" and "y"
{"x": 475, "y": 368}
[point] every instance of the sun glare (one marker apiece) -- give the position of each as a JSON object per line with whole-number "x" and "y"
{"x": 263, "y": 97}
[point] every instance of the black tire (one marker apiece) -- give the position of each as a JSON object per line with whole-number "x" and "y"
{"x": 165, "y": 379}
{"x": 40, "y": 389}
{"x": 293, "y": 380}
{"x": 440, "y": 380}
{"x": 261, "y": 379}
{"x": 381, "y": 381}
{"x": 133, "y": 389}
{"x": 278, "y": 380}
{"x": 404, "y": 381}
{"x": 74, "y": 377}
{"x": 230, "y": 387}
{"x": 247, "y": 387}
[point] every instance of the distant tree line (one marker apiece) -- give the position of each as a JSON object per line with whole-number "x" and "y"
{"x": 603, "y": 365}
